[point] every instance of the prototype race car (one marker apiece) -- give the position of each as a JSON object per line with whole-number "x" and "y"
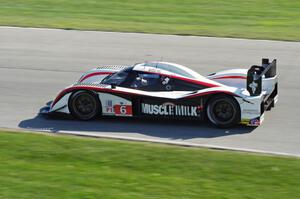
{"x": 167, "y": 90}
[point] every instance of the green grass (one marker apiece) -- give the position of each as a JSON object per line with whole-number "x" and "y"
{"x": 263, "y": 19}
{"x": 45, "y": 166}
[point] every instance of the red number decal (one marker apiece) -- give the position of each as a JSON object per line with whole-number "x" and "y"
{"x": 123, "y": 110}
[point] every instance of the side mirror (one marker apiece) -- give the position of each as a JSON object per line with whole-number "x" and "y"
{"x": 113, "y": 86}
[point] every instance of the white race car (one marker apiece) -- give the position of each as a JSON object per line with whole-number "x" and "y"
{"x": 167, "y": 90}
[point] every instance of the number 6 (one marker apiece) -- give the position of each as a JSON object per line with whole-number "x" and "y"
{"x": 123, "y": 110}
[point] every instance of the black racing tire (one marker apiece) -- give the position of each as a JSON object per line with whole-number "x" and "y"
{"x": 223, "y": 111}
{"x": 84, "y": 105}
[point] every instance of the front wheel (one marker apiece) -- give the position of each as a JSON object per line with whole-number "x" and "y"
{"x": 84, "y": 105}
{"x": 223, "y": 111}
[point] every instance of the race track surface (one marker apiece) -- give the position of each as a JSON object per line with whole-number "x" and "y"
{"x": 35, "y": 64}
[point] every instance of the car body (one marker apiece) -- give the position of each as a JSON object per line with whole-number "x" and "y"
{"x": 168, "y": 90}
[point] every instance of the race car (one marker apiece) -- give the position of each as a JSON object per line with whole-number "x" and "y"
{"x": 167, "y": 90}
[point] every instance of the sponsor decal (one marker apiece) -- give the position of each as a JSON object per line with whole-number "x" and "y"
{"x": 123, "y": 110}
{"x": 254, "y": 122}
{"x": 253, "y": 86}
{"x": 170, "y": 109}
{"x": 108, "y": 106}
{"x": 245, "y": 121}
{"x": 165, "y": 81}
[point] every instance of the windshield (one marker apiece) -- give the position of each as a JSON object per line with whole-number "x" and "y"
{"x": 117, "y": 78}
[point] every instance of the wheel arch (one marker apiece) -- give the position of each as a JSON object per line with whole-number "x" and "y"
{"x": 220, "y": 94}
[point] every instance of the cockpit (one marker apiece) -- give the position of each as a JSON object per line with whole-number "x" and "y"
{"x": 171, "y": 68}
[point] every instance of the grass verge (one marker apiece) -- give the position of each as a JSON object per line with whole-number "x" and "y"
{"x": 271, "y": 19}
{"x": 45, "y": 166}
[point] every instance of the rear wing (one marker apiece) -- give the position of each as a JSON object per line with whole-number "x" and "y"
{"x": 256, "y": 73}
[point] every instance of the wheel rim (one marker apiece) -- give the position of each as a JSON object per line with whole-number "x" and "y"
{"x": 223, "y": 111}
{"x": 84, "y": 106}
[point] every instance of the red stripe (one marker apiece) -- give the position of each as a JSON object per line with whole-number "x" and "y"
{"x": 94, "y": 74}
{"x": 231, "y": 77}
{"x": 85, "y": 87}
{"x": 194, "y": 81}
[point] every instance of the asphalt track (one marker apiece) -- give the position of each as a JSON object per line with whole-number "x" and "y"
{"x": 37, "y": 63}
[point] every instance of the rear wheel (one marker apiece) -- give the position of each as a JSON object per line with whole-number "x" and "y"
{"x": 223, "y": 111}
{"x": 84, "y": 105}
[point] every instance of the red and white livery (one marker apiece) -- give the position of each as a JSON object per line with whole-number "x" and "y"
{"x": 168, "y": 90}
